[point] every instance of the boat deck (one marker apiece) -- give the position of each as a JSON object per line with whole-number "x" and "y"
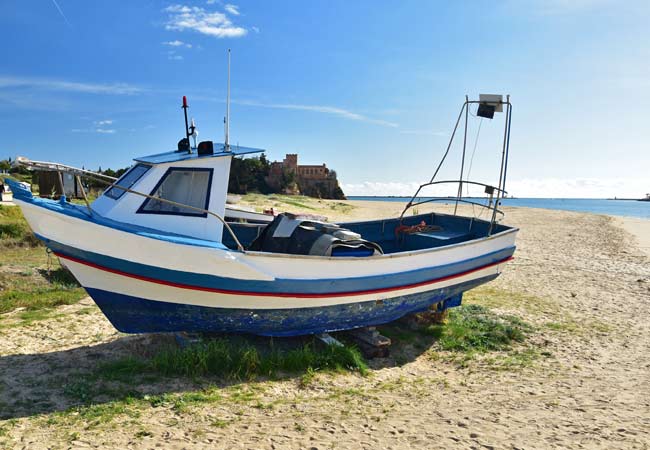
{"x": 439, "y": 230}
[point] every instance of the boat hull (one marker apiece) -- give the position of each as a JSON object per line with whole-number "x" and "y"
{"x": 136, "y": 305}
{"x": 148, "y": 282}
{"x": 138, "y": 315}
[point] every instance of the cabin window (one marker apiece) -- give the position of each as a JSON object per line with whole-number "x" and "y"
{"x": 127, "y": 180}
{"x": 187, "y": 186}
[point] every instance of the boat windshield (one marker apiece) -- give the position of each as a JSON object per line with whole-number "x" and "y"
{"x": 128, "y": 180}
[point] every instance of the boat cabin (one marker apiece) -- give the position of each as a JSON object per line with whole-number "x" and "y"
{"x": 193, "y": 177}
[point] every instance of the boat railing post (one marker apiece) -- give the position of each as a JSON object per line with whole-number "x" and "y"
{"x": 504, "y": 158}
{"x": 60, "y": 176}
{"x": 83, "y": 193}
{"x": 462, "y": 163}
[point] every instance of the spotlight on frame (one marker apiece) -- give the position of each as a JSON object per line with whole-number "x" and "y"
{"x": 489, "y": 104}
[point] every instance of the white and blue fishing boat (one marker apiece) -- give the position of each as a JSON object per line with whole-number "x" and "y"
{"x": 156, "y": 253}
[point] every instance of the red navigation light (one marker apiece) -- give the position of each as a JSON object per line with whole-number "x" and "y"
{"x": 184, "y": 102}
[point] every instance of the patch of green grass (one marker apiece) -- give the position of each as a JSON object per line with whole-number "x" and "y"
{"x": 7, "y": 426}
{"x": 296, "y": 203}
{"x": 120, "y": 383}
{"x": 20, "y": 285}
{"x": 11, "y": 213}
{"x": 237, "y": 360}
{"x": 37, "y": 290}
{"x": 569, "y": 325}
{"x": 474, "y": 328}
{"x": 553, "y": 316}
{"x": 307, "y": 378}
{"x": 20, "y": 257}
{"x": 341, "y": 207}
{"x": 183, "y": 401}
{"x": 220, "y": 423}
{"x": 14, "y": 230}
{"x": 397, "y": 332}
{"x": 38, "y": 298}
{"x": 95, "y": 415}
{"x": 517, "y": 359}
{"x": 87, "y": 310}
{"x": 565, "y": 326}
{"x": 492, "y": 297}
{"x": 30, "y": 316}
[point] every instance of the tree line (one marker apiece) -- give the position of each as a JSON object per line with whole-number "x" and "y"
{"x": 246, "y": 175}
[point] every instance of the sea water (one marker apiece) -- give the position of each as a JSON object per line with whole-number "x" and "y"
{"x": 628, "y": 208}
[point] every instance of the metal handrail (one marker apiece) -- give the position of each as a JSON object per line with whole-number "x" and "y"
{"x": 454, "y": 199}
{"x": 240, "y": 247}
{"x": 411, "y": 202}
{"x": 49, "y": 166}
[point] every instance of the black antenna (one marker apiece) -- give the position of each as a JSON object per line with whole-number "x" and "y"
{"x": 187, "y": 128}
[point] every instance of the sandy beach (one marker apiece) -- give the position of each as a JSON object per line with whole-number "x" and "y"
{"x": 639, "y": 229}
{"x": 581, "y": 280}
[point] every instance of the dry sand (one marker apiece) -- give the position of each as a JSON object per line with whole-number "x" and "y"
{"x": 589, "y": 284}
{"x": 639, "y": 228}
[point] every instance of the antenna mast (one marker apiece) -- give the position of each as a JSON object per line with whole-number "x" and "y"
{"x": 227, "y": 119}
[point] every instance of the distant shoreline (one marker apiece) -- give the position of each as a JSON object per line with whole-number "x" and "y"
{"x": 379, "y": 197}
{"x": 618, "y": 207}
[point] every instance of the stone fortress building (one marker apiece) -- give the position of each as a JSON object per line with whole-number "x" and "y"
{"x": 289, "y": 177}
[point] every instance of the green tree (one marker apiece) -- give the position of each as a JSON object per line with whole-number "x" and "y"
{"x": 248, "y": 175}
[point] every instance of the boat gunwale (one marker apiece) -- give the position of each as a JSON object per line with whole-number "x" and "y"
{"x": 385, "y": 255}
{"x": 257, "y": 254}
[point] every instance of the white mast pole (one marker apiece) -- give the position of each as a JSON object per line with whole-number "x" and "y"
{"x": 227, "y": 143}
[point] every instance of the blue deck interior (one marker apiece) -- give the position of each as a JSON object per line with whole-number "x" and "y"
{"x": 453, "y": 229}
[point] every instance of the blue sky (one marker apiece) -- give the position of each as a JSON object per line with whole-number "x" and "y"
{"x": 372, "y": 88}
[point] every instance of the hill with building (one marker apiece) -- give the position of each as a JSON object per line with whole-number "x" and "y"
{"x": 289, "y": 177}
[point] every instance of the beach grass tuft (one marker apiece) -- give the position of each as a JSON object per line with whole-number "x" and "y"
{"x": 39, "y": 293}
{"x": 14, "y": 230}
{"x": 474, "y": 328}
{"x": 237, "y": 360}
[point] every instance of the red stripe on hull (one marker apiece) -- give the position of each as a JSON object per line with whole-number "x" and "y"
{"x": 280, "y": 294}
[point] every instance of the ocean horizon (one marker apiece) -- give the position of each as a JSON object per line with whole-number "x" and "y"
{"x": 624, "y": 208}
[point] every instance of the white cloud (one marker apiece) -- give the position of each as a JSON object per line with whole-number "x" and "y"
{"x": 560, "y": 7}
{"x": 70, "y": 86}
{"x": 94, "y": 130}
{"x": 232, "y": 9}
{"x": 212, "y": 2}
{"x": 255, "y": 29}
{"x": 216, "y": 24}
{"x": 173, "y": 57}
{"x": 104, "y": 122}
{"x": 578, "y": 187}
{"x": 523, "y": 188}
{"x": 424, "y": 132}
{"x": 332, "y": 110}
{"x": 380, "y": 189}
{"x": 177, "y": 43}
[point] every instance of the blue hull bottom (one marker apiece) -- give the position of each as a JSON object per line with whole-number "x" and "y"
{"x": 137, "y": 315}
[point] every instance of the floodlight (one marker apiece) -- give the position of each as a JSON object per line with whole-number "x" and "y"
{"x": 489, "y": 104}
{"x": 485, "y": 110}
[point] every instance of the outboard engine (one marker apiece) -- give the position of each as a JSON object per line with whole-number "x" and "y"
{"x": 290, "y": 234}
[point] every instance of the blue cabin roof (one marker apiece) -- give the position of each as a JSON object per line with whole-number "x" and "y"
{"x": 219, "y": 151}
